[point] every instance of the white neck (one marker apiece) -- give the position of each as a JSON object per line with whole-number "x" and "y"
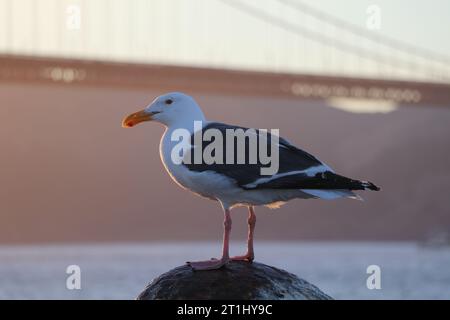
{"x": 190, "y": 124}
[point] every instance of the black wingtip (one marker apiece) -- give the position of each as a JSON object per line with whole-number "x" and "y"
{"x": 370, "y": 186}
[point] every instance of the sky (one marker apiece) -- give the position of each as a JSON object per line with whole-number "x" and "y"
{"x": 214, "y": 34}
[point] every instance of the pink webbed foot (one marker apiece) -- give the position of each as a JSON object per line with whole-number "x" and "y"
{"x": 247, "y": 257}
{"x": 208, "y": 264}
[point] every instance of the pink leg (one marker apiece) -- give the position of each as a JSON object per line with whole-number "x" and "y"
{"x": 217, "y": 263}
{"x": 250, "y": 255}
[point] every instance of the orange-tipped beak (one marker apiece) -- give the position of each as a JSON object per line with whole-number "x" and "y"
{"x": 135, "y": 118}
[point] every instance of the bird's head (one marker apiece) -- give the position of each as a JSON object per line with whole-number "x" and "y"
{"x": 168, "y": 109}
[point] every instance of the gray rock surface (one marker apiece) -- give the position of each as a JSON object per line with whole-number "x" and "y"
{"x": 237, "y": 280}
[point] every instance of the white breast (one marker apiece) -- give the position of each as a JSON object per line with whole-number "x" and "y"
{"x": 207, "y": 183}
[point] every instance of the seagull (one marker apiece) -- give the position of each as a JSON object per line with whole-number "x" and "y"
{"x": 299, "y": 175}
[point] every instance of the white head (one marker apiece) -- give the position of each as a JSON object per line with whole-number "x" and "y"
{"x": 169, "y": 109}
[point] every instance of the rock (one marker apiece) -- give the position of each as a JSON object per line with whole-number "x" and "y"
{"x": 237, "y": 280}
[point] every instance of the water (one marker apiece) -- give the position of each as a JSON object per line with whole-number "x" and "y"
{"x": 121, "y": 271}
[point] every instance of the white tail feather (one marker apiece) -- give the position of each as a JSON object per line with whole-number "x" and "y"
{"x": 332, "y": 194}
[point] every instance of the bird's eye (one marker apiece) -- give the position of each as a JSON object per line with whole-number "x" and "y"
{"x": 169, "y": 101}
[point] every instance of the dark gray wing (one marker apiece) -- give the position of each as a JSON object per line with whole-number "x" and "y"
{"x": 291, "y": 159}
{"x": 297, "y": 168}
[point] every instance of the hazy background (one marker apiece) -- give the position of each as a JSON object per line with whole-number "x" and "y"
{"x": 69, "y": 174}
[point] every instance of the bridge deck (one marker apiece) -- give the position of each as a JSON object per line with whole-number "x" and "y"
{"x": 193, "y": 79}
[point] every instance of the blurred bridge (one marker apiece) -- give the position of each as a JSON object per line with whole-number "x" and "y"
{"x": 287, "y": 48}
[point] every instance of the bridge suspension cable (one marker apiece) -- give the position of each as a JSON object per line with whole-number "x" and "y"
{"x": 393, "y": 62}
{"x": 392, "y": 43}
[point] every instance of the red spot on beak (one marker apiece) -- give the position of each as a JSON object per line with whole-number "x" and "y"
{"x": 130, "y": 124}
